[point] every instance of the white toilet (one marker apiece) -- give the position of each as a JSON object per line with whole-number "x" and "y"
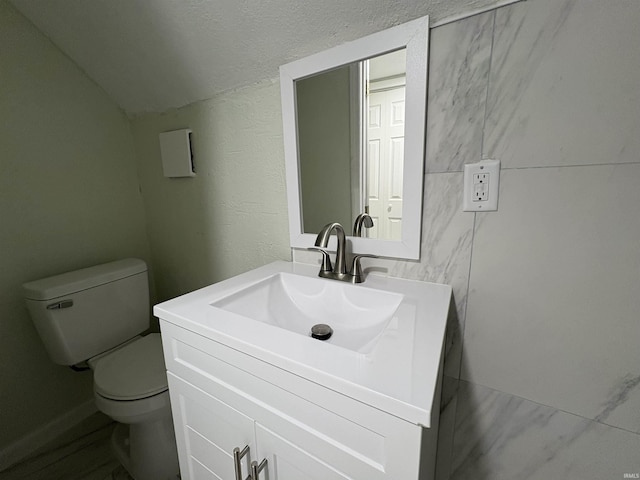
{"x": 96, "y": 315}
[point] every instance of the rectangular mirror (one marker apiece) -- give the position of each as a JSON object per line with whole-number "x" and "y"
{"x": 354, "y": 130}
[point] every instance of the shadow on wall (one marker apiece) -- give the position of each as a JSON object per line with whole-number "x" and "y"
{"x": 177, "y": 210}
{"x": 69, "y": 199}
{"x": 229, "y": 218}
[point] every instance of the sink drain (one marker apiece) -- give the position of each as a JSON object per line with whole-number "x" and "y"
{"x": 321, "y": 331}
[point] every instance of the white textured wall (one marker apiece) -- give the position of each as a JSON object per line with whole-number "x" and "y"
{"x": 69, "y": 198}
{"x": 232, "y": 216}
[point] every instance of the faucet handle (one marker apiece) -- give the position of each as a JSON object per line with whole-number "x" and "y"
{"x": 356, "y": 268}
{"x": 326, "y": 260}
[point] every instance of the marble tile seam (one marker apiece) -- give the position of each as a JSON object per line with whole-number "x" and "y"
{"x": 466, "y": 302}
{"x": 488, "y": 89}
{"x": 594, "y": 420}
{"x": 454, "y": 398}
{"x": 537, "y": 167}
{"x": 472, "y": 13}
{"x": 604, "y": 164}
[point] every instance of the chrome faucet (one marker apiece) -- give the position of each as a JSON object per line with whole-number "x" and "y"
{"x": 339, "y": 272}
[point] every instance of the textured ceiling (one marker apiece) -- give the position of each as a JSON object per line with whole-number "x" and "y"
{"x": 154, "y": 55}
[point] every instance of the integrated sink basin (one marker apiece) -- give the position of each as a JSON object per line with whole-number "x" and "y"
{"x": 296, "y": 303}
{"x": 388, "y": 333}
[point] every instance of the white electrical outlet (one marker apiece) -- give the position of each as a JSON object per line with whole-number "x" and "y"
{"x": 481, "y": 181}
{"x": 480, "y": 187}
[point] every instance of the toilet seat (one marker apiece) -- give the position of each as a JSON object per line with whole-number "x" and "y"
{"x": 133, "y": 372}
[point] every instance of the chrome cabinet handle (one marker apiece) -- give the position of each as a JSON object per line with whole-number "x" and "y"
{"x": 237, "y": 458}
{"x": 256, "y": 469}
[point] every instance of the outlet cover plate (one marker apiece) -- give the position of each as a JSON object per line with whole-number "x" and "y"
{"x": 481, "y": 197}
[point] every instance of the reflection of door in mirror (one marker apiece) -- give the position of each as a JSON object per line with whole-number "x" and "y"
{"x": 385, "y": 144}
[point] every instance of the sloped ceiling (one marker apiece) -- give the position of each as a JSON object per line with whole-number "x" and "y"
{"x": 154, "y": 55}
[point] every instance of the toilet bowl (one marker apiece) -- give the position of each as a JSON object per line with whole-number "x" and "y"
{"x": 144, "y": 439}
{"x": 97, "y": 315}
{"x": 135, "y": 411}
{"x": 130, "y": 386}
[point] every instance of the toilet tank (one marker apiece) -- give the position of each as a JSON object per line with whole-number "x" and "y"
{"x": 83, "y": 313}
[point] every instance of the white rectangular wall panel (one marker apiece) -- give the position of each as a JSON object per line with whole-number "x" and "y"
{"x": 177, "y": 158}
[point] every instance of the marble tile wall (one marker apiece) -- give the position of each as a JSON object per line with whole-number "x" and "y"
{"x": 542, "y": 366}
{"x": 501, "y": 436}
{"x": 564, "y": 84}
{"x": 554, "y": 305}
{"x": 550, "y": 366}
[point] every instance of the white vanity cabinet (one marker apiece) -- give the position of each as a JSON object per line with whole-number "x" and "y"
{"x": 223, "y": 399}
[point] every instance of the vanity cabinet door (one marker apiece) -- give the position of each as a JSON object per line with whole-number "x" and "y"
{"x": 286, "y": 461}
{"x": 207, "y": 431}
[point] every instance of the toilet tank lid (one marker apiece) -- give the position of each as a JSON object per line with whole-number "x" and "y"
{"x": 78, "y": 280}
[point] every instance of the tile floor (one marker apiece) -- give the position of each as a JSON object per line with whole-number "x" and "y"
{"x": 82, "y": 453}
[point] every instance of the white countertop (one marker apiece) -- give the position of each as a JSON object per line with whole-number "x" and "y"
{"x": 398, "y": 375}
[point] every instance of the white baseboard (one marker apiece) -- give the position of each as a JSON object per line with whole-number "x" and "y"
{"x": 28, "y": 444}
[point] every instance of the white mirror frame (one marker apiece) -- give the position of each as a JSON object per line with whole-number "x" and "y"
{"x": 414, "y": 36}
